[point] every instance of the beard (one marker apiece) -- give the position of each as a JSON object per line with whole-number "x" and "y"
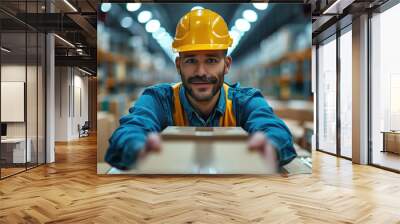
{"x": 200, "y": 95}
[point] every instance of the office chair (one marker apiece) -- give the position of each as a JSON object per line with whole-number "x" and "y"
{"x": 84, "y": 130}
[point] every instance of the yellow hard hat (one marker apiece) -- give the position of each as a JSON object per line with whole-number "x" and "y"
{"x": 201, "y": 29}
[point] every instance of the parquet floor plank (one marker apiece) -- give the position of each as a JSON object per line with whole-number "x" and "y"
{"x": 70, "y": 191}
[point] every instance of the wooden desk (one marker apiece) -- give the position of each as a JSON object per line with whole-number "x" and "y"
{"x": 13, "y": 150}
{"x": 391, "y": 141}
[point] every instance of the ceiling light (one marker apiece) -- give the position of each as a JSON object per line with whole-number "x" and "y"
{"x": 196, "y": 7}
{"x": 160, "y": 33}
{"x": 64, "y": 40}
{"x": 131, "y": 7}
{"x": 260, "y": 6}
{"x": 250, "y": 15}
{"x": 234, "y": 28}
{"x": 84, "y": 71}
{"x": 242, "y": 25}
{"x": 152, "y": 25}
{"x": 70, "y": 5}
{"x": 235, "y": 34}
{"x": 334, "y": 8}
{"x": 5, "y": 50}
{"x": 144, "y": 16}
{"x": 105, "y": 7}
{"x": 126, "y": 22}
{"x": 166, "y": 41}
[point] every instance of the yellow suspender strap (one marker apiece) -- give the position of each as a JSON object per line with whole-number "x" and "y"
{"x": 179, "y": 116}
{"x": 227, "y": 120}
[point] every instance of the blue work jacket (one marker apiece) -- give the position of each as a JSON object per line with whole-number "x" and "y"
{"x": 153, "y": 112}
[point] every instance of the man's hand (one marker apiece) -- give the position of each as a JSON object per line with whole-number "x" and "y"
{"x": 258, "y": 142}
{"x": 153, "y": 144}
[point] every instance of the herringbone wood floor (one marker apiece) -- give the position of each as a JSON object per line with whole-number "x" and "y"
{"x": 70, "y": 191}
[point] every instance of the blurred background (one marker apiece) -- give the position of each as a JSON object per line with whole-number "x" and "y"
{"x": 271, "y": 52}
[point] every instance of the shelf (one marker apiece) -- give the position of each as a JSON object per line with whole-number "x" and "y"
{"x": 105, "y": 56}
{"x": 291, "y": 57}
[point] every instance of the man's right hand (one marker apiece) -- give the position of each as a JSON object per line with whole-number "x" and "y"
{"x": 153, "y": 144}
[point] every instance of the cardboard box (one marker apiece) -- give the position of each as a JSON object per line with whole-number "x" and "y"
{"x": 190, "y": 150}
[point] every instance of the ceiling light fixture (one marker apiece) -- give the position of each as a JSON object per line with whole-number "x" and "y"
{"x": 250, "y": 15}
{"x": 70, "y": 5}
{"x": 105, "y": 7}
{"x": 131, "y": 7}
{"x": 242, "y": 25}
{"x": 235, "y": 34}
{"x": 152, "y": 25}
{"x": 84, "y": 71}
{"x": 65, "y": 41}
{"x": 126, "y": 22}
{"x": 160, "y": 33}
{"x": 337, "y": 7}
{"x": 144, "y": 16}
{"x": 260, "y": 6}
{"x": 5, "y": 49}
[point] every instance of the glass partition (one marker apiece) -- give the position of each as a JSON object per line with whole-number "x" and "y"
{"x": 385, "y": 89}
{"x": 14, "y": 153}
{"x": 327, "y": 95}
{"x": 22, "y": 89}
{"x": 346, "y": 93}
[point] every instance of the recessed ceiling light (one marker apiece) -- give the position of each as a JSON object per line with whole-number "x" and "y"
{"x": 152, "y": 25}
{"x": 260, "y": 6}
{"x": 126, "y": 22}
{"x": 144, "y": 16}
{"x": 131, "y": 7}
{"x": 250, "y": 15}
{"x": 105, "y": 7}
{"x": 242, "y": 25}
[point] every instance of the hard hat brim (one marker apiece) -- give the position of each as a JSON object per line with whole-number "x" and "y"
{"x": 201, "y": 47}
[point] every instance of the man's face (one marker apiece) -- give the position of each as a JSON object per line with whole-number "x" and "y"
{"x": 202, "y": 72}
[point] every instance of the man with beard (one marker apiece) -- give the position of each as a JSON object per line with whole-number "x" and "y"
{"x": 202, "y": 99}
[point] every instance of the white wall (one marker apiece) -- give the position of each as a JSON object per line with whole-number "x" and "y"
{"x": 13, "y": 73}
{"x": 61, "y": 103}
{"x": 70, "y": 83}
{"x": 81, "y": 82}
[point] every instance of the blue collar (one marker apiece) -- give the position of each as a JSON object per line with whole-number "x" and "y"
{"x": 190, "y": 111}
